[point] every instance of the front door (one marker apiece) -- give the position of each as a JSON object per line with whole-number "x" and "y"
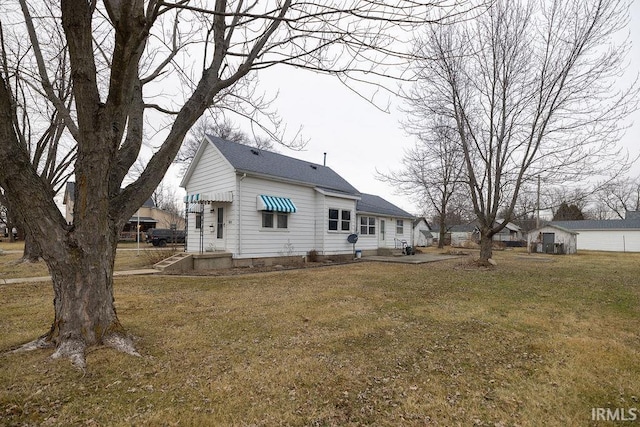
{"x": 381, "y": 242}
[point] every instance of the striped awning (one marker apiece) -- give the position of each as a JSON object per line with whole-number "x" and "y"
{"x": 275, "y": 204}
{"x": 224, "y": 197}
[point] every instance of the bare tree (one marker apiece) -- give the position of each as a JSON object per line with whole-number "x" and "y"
{"x": 40, "y": 129}
{"x": 224, "y": 129}
{"x": 620, "y": 196}
{"x": 530, "y": 86}
{"x": 432, "y": 171}
{"x": 130, "y": 59}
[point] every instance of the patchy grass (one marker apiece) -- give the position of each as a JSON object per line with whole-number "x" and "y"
{"x": 127, "y": 258}
{"x": 538, "y": 340}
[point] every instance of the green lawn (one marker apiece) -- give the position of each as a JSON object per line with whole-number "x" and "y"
{"x": 538, "y": 340}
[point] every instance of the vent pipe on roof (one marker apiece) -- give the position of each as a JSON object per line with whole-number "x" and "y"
{"x": 325, "y": 160}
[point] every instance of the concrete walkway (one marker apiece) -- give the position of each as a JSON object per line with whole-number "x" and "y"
{"x": 48, "y": 278}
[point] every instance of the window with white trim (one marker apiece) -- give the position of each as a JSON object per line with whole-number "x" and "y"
{"x": 345, "y": 224}
{"x": 275, "y": 220}
{"x": 339, "y": 220}
{"x": 399, "y": 227}
{"x": 367, "y": 225}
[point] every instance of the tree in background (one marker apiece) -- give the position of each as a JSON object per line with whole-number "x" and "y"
{"x": 226, "y": 130}
{"x": 138, "y": 63}
{"x": 432, "y": 171}
{"x": 566, "y": 212}
{"x": 620, "y": 196}
{"x": 530, "y": 86}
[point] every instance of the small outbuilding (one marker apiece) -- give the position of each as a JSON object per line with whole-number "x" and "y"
{"x": 422, "y": 235}
{"x": 553, "y": 239}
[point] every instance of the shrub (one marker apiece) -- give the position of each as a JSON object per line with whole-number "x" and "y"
{"x": 312, "y": 255}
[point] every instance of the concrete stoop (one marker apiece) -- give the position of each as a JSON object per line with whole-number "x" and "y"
{"x": 179, "y": 262}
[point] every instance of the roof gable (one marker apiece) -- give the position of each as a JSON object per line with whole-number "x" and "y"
{"x": 370, "y": 203}
{"x": 247, "y": 159}
{"x": 552, "y": 225}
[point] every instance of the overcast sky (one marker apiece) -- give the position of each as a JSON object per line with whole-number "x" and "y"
{"x": 359, "y": 138}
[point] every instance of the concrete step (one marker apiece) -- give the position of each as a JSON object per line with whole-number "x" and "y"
{"x": 173, "y": 262}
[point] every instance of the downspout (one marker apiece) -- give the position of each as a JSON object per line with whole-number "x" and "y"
{"x": 240, "y": 214}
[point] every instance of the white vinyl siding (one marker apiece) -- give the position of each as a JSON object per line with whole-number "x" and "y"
{"x": 258, "y": 241}
{"x": 212, "y": 168}
{"x": 331, "y": 242}
{"x": 609, "y": 240}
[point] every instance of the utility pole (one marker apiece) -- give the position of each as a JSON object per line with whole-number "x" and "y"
{"x": 538, "y": 206}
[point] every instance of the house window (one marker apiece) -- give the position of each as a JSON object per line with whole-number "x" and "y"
{"x": 333, "y": 219}
{"x": 346, "y": 221}
{"x": 367, "y": 225}
{"x": 339, "y": 218}
{"x": 198, "y": 220}
{"x": 267, "y": 219}
{"x": 399, "y": 227}
{"x": 281, "y": 220}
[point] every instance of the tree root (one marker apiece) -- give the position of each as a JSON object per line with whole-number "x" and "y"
{"x": 121, "y": 343}
{"x": 75, "y": 350}
{"x": 37, "y": 344}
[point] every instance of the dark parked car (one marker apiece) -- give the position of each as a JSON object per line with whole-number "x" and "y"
{"x": 162, "y": 236}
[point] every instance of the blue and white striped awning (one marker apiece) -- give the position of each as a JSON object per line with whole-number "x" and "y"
{"x": 275, "y": 204}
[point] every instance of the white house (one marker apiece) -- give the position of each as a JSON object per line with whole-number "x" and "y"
{"x": 253, "y": 203}
{"x": 622, "y": 235}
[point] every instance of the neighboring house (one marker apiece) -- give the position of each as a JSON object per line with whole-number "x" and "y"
{"x": 459, "y": 234}
{"x": 148, "y": 216}
{"x": 422, "y": 235}
{"x": 622, "y": 235}
{"x": 510, "y": 233}
{"x": 253, "y": 203}
{"x": 463, "y": 234}
{"x": 552, "y": 239}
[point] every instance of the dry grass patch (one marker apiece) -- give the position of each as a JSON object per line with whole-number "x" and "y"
{"x": 129, "y": 259}
{"x": 526, "y": 343}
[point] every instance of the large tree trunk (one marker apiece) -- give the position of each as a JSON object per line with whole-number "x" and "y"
{"x": 443, "y": 232}
{"x": 84, "y": 308}
{"x": 486, "y": 245}
{"x": 32, "y": 252}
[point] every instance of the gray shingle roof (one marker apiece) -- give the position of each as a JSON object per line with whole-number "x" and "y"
{"x": 247, "y": 159}
{"x": 605, "y": 224}
{"x": 632, "y": 215}
{"x": 377, "y": 205}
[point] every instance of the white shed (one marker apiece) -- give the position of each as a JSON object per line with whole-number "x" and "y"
{"x": 422, "y": 235}
{"x": 552, "y": 239}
